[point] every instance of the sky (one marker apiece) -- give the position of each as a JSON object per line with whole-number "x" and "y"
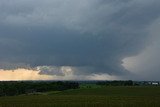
{"x": 79, "y": 39}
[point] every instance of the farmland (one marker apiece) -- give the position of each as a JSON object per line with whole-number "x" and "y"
{"x": 109, "y": 96}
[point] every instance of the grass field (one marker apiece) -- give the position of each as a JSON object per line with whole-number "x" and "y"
{"x": 89, "y": 97}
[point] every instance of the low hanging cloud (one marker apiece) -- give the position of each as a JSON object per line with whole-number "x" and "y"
{"x": 54, "y": 70}
{"x": 89, "y": 36}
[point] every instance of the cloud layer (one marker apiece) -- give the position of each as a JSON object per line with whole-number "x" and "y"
{"x": 90, "y": 36}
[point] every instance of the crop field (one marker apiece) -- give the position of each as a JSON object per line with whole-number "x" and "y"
{"x": 117, "y": 96}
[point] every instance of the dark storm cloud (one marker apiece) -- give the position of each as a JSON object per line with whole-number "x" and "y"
{"x": 93, "y": 36}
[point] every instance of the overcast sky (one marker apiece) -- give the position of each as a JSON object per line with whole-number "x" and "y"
{"x": 86, "y": 39}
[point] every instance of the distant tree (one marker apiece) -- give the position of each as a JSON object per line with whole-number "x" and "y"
{"x": 115, "y": 83}
{"x": 16, "y": 88}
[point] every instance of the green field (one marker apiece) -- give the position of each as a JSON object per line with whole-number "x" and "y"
{"x": 142, "y": 96}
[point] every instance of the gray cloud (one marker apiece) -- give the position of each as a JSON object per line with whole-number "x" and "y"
{"x": 54, "y": 70}
{"x": 146, "y": 65}
{"x": 91, "y": 36}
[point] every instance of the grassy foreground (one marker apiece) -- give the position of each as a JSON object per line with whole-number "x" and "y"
{"x": 93, "y": 97}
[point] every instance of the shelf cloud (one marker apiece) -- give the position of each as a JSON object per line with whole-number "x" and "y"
{"x": 84, "y": 36}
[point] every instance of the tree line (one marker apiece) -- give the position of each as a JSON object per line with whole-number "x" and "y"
{"x": 116, "y": 83}
{"x": 11, "y": 88}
